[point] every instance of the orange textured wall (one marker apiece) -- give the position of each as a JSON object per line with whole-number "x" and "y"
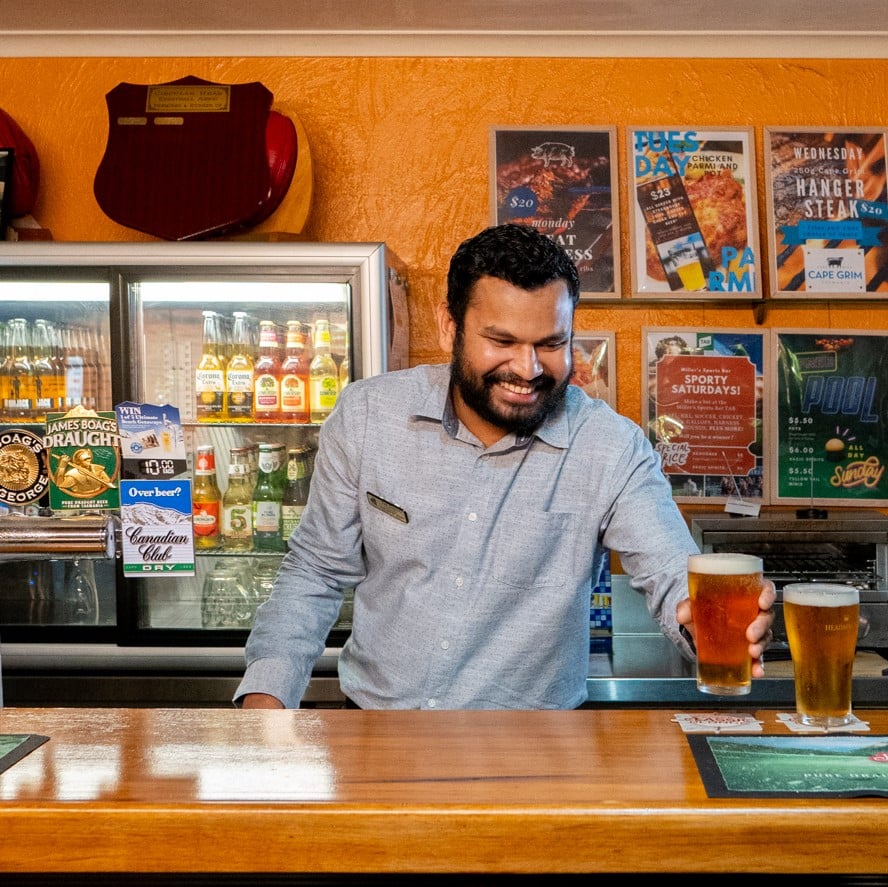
{"x": 400, "y": 151}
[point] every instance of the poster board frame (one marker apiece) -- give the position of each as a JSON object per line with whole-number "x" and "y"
{"x": 713, "y": 168}
{"x": 563, "y": 181}
{"x": 737, "y": 419}
{"x": 842, "y": 170}
{"x": 594, "y": 359}
{"x": 814, "y": 442}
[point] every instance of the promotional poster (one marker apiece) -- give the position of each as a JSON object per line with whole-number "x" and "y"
{"x": 83, "y": 448}
{"x": 564, "y": 183}
{"x": 703, "y": 411}
{"x": 694, "y": 225}
{"x": 830, "y": 400}
{"x": 827, "y": 211}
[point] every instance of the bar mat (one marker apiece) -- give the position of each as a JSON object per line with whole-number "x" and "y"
{"x": 14, "y": 746}
{"x": 833, "y": 765}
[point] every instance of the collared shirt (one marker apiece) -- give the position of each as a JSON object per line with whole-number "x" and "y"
{"x": 473, "y": 574}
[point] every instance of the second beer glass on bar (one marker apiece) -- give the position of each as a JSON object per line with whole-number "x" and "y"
{"x": 724, "y": 590}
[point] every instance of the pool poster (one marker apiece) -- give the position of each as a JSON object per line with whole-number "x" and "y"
{"x": 822, "y": 766}
{"x": 827, "y": 212}
{"x": 829, "y": 402}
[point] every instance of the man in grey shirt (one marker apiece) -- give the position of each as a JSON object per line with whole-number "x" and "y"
{"x": 470, "y": 506}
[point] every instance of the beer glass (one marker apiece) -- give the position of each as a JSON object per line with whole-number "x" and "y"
{"x": 821, "y": 627}
{"x": 724, "y": 590}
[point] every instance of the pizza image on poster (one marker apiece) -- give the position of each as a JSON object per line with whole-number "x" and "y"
{"x": 703, "y": 411}
{"x": 830, "y": 400}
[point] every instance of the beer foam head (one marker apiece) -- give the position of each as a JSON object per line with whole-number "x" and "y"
{"x": 820, "y": 594}
{"x": 723, "y": 563}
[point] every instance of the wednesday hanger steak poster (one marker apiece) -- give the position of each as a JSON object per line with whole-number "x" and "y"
{"x": 564, "y": 183}
{"x": 694, "y": 221}
{"x": 827, "y": 211}
{"x": 703, "y": 411}
{"x": 830, "y": 403}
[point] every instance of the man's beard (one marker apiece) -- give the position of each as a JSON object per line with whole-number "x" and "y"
{"x": 476, "y": 392}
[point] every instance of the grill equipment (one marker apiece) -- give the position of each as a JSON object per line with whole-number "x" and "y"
{"x": 844, "y": 546}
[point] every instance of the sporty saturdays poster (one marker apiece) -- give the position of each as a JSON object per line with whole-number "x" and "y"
{"x": 830, "y": 403}
{"x": 827, "y": 211}
{"x": 564, "y": 183}
{"x": 693, "y": 215}
{"x": 703, "y": 411}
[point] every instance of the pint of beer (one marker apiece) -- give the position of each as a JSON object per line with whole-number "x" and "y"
{"x": 821, "y": 627}
{"x": 724, "y": 590}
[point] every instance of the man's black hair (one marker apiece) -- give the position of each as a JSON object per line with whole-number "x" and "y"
{"x": 518, "y": 254}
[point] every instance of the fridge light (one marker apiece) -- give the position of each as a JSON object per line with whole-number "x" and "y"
{"x": 263, "y": 292}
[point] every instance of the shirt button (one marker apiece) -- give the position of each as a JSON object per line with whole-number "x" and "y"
{"x": 445, "y": 645}
{"x": 432, "y": 703}
{"x": 473, "y": 516}
{"x": 459, "y": 582}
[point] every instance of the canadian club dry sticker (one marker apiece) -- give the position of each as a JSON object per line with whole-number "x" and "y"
{"x": 23, "y": 477}
{"x": 83, "y": 449}
{"x": 832, "y": 409}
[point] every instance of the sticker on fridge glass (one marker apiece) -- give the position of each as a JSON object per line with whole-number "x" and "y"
{"x": 157, "y": 533}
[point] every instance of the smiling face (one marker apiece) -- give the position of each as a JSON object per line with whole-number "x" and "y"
{"x": 511, "y": 360}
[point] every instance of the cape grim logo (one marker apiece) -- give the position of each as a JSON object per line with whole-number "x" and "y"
{"x": 23, "y": 475}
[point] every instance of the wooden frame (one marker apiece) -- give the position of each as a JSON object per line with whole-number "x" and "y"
{"x": 830, "y": 440}
{"x": 693, "y": 213}
{"x": 594, "y": 358}
{"x": 7, "y": 158}
{"x": 702, "y": 406}
{"x": 562, "y": 181}
{"x": 827, "y": 212}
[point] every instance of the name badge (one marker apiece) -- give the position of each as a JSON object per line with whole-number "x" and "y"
{"x": 388, "y": 508}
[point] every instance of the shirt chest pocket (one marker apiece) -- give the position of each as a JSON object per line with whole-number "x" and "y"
{"x": 534, "y": 551}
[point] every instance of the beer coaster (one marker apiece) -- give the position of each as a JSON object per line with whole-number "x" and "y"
{"x": 718, "y": 722}
{"x": 792, "y": 722}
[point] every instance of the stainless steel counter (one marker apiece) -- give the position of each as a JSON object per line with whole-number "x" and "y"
{"x": 643, "y": 671}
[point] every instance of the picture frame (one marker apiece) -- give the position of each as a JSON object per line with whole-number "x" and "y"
{"x": 830, "y": 432}
{"x": 563, "y": 182}
{"x": 827, "y": 212}
{"x": 7, "y": 158}
{"x": 703, "y": 409}
{"x": 594, "y": 367}
{"x": 693, "y": 213}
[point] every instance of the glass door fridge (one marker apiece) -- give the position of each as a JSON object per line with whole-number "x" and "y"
{"x": 190, "y": 331}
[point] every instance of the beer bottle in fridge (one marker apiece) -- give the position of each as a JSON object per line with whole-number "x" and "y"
{"x": 296, "y": 491}
{"x": 267, "y": 375}
{"x": 323, "y": 374}
{"x": 237, "y": 510}
{"x": 206, "y": 501}
{"x": 239, "y": 373}
{"x": 294, "y": 377}
{"x": 266, "y": 505}
{"x": 210, "y": 373}
{"x": 19, "y": 381}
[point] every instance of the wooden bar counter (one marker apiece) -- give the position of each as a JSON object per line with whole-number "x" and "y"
{"x": 334, "y": 791}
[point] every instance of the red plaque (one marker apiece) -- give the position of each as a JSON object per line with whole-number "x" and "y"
{"x": 191, "y": 158}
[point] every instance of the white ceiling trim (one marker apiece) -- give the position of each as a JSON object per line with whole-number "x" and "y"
{"x": 536, "y": 44}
